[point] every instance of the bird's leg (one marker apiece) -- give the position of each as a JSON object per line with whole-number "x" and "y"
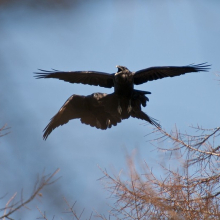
{"x": 119, "y": 107}
{"x": 129, "y": 106}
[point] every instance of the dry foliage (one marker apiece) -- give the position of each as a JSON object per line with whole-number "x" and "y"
{"x": 4, "y": 129}
{"x": 190, "y": 190}
{"x": 187, "y": 189}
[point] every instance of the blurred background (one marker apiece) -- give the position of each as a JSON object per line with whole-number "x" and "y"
{"x": 96, "y": 35}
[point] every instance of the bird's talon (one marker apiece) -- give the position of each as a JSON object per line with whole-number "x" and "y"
{"x": 108, "y": 123}
{"x": 129, "y": 108}
{"x": 119, "y": 109}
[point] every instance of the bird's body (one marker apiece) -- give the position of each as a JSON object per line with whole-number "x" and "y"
{"x": 99, "y": 110}
{"x": 123, "y": 82}
{"x": 99, "y": 107}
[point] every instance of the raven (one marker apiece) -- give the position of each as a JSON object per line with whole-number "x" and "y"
{"x": 100, "y": 110}
{"x": 123, "y": 80}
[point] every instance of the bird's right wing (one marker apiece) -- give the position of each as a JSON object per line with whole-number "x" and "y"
{"x": 85, "y": 77}
{"x": 144, "y": 116}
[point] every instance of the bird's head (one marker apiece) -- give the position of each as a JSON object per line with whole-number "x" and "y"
{"x": 121, "y": 69}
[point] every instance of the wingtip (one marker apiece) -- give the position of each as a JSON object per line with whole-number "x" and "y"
{"x": 155, "y": 123}
{"x": 201, "y": 66}
{"x": 46, "y": 134}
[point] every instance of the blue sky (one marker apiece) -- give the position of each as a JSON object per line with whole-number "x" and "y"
{"x": 98, "y": 35}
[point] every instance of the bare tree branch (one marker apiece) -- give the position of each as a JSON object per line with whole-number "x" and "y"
{"x": 4, "y": 128}
{"x": 40, "y": 184}
{"x": 189, "y": 191}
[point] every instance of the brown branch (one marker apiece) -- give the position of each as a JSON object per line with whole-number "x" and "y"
{"x": 44, "y": 181}
{"x": 3, "y": 128}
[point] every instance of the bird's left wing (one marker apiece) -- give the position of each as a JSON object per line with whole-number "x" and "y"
{"x": 85, "y": 77}
{"x": 89, "y": 109}
{"x": 71, "y": 109}
{"x": 154, "y": 73}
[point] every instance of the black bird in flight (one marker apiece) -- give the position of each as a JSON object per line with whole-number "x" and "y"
{"x": 100, "y": 110}
{"x": 123, "y": 80}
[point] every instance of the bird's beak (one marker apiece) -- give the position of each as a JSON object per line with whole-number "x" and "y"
{"x": 118, "y": 70}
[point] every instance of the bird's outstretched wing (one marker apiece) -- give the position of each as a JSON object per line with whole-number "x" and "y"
{"x": 89, "y": 109}
{"x": 143, "y": 116}
{"x": 66, "y": 113}
{"x": 85, "y": 77}
{"x": 154, "y": 73}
